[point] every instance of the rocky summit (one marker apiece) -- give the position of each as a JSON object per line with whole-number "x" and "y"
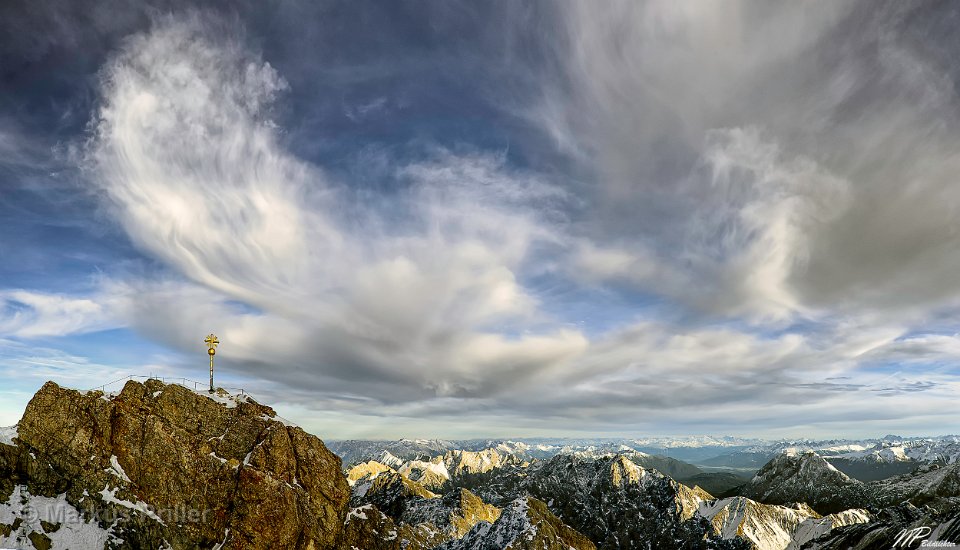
{"x": 162, "y": 466}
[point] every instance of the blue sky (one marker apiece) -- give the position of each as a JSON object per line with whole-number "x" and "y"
{"x": 444, "y": 219}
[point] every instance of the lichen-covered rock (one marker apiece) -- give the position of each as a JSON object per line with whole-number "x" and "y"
{"x": 182, "y": 468}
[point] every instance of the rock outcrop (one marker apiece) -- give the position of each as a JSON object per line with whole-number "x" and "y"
{"x": 526, "y": 524}
{"x": 460, "y": 463}
{"x": 176, "y": 468}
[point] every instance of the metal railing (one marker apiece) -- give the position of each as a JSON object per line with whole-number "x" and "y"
{"x": 180, "y": 381}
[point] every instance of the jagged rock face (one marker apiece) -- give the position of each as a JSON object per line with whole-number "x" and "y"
{"x": 370, "y": 529}
{"x": 217, "y": 470}
{"x": 618, "y": 504}
{"x": 526, "y": 524}
{"x": 772, "y": 527}
{"x": 934, "y": 485}
{"x": 813, "y": 528}
{"x": 436, "y": 473}
{"x": 367, "y": 528}
{"x": 431, "y": 474}
{"x": 417, "y": 521}
{"x": 805, "y": 477}
{"x": 460, "y": 463}
{"x": 454, "y": 514}
{"x": 391, "y": 493}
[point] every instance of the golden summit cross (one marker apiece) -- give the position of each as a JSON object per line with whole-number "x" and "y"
{"x": 211, "y": 341}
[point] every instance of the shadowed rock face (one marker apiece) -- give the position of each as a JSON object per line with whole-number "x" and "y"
{"x": 213, "y": 470}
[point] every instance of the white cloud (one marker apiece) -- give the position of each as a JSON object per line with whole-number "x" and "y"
{"x": 29, "y": 314}
{"x": 416, "y": 297}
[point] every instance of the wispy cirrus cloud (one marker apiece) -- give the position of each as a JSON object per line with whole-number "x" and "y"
{"x": 32, "y": 314}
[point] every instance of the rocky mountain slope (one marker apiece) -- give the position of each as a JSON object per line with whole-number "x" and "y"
{"x": 771, "y": 527}
{"x": 395, "y": 512}
{"x": 934, "y": 486}
{"x": 891, "y": 526}
{"x": 804, "y": 476}
{"x": 161, "y": 466}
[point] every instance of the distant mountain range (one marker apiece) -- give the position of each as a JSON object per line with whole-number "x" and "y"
{"x": 863, "y": 459}
{"x": 621, "y": 497}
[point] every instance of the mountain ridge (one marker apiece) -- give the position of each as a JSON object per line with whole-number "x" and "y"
{"x": 264, "y": 483}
